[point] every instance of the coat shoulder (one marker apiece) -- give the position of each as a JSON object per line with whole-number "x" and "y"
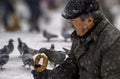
{"x": 109, "y": 36}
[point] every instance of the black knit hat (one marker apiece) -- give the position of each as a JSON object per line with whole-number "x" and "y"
{"x": 75, "y": 8}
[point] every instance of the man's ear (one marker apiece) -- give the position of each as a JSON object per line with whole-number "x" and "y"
{"x": 90, "y": 21}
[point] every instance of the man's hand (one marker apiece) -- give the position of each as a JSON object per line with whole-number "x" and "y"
{"x": 35, "y": 74}
{"x": 40, "y": 75}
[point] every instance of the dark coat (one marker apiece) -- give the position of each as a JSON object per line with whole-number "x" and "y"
{"x": 93, "y": 56}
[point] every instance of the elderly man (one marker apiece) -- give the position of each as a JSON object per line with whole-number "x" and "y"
{"x": 95, "y": 52}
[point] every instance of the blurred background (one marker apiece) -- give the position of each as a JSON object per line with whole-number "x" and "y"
{"x": 30, "y": 15}
{"x": 37, "y": 15}
{"x": 39, "y": 24}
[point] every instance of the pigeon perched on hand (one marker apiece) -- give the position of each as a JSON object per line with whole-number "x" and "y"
{"x": 56, "y": 57}
{"x": 66, "y": 50}
{"x": 48, "y": 35}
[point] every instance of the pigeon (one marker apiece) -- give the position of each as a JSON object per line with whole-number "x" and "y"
{"x": 52, "y": 47}
{"x": 5, "y": 50}
{"x": 65, "y": 34}
{"x": 55, "y": 57}
{"x": 3, "y": 60}
{"x": 66, "y": 50}
{"x": 49, "y": 35}
{"x": 27, "y": 59}
{"x": 4, "y": 57}
{"x": 20, "y": 46}
{"x": 33, "y": 51}
{"x": 4, "y": 53}
{"x": 10, "y": 46}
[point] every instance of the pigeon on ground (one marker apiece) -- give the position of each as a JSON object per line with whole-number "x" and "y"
{"x": 21, "y": 44}
{"x": 3, "y": 60}
{"x": 10, "y": 46}
{"x": 52, "y": 47}
{"x": 65, "y": 34}
{"x": 4, "y": 53}
{"x": 27, "y": 59}
{"x": 48, "y": 35}
{"x": 56, "y": 57}
{"x": 4, "y": 57}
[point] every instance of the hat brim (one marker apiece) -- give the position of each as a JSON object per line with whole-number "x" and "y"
{"x": 69, "y": 15}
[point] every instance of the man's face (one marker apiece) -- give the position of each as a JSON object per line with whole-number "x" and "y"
{"x": 82, "y": 26}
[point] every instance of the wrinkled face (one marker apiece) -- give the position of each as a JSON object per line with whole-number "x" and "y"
{"x": 82, "y": 26}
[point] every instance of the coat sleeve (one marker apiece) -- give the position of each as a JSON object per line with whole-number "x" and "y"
{"x": 110, "y": 66}
{"x": 67, "y": 70}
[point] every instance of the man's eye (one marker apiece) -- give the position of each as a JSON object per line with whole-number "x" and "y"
{"x": 73, "y": 19}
